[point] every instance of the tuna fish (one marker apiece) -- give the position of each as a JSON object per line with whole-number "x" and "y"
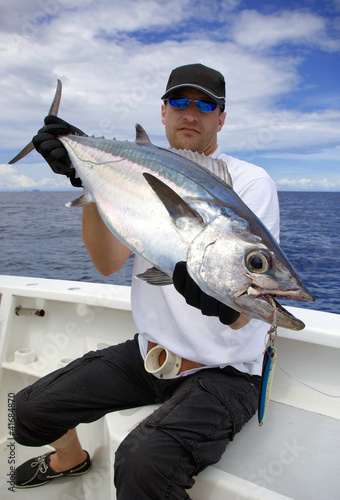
{"x": 169, "y": 206}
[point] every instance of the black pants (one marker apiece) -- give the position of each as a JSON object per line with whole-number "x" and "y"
{"x": 200, "y": 414}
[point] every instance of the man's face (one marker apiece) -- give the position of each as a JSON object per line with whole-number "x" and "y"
{"x": 190, "y": 128}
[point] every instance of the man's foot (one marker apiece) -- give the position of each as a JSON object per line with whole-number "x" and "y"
{"x": 37, "y": 471}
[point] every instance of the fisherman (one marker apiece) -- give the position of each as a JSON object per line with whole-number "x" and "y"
{"x": 215, "y": 390}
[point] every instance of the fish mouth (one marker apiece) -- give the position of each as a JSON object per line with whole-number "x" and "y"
{"x": 281, "y": 311}
{"x": 283, "y": 317}
{"x": 298, "y": 294}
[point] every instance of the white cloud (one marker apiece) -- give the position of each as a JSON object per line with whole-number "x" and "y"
{"x": 11, "y": 180}
{"x": 306, "y": 184}
{"x": 288, "y": 131}
{"x": 255, "y": 30}
{"x": 113, "y": 79}
{"x": 322, "y": 155}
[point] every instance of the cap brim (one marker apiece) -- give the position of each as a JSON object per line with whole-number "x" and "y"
{"x": 220, "y": 100}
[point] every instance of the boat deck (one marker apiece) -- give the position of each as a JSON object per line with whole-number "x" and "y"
{"x": 294, "y": 455}
{"x": 289, "y": 457}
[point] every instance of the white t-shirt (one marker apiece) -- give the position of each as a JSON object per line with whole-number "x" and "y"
{"x": 162, "y": 315}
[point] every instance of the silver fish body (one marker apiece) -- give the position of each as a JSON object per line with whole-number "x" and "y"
{"x": 167, "y": 208}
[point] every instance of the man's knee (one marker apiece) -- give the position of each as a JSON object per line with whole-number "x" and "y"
{"x": 151, "y": 462}
{"x": 30, "y": 419}
{"x": 24, "y": 414}
{"x": 136, "y": 450}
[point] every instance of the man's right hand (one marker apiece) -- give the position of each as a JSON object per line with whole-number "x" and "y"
{"x": 47, "y": 144}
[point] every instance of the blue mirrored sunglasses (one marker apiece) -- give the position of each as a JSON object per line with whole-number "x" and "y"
{"x": 202, "y": 104}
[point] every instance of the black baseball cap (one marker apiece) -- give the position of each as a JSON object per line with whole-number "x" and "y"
{"x": 200, "y": 77}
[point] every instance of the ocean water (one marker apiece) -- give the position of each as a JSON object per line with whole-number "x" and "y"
{"x": 40, "y": 237}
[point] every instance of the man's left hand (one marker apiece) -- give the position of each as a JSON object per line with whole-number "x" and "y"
{"x": 194, "y": 296}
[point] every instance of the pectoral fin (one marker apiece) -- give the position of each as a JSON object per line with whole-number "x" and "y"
{"x": 83, "y": 200}
{"x": 175, "y": 205}
{"x": 154, "y": 276}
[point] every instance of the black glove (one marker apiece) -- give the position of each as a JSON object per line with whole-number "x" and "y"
{"x": 194, "y": 296}
{"x": 47, "y": 144}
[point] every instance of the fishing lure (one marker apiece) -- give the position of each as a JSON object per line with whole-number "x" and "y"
{"x": 267, "y": 378}
{"x": 268, "y": 366}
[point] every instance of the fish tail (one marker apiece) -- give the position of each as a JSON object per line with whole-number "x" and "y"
{"x": 53, "y": 111}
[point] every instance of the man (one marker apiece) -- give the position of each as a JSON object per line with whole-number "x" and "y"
{"x": 216, "y": 389}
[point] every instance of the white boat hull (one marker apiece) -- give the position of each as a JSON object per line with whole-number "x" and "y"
{"x": 295, "y": 454}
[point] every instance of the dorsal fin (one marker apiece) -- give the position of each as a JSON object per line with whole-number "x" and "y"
{"x": 215, "y": 165}
{"x": 141, "y": 136}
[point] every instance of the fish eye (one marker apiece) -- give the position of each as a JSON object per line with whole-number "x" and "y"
{"x": 258, "y": 261}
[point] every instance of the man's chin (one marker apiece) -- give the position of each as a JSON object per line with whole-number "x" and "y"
{"x": 187, "y": 143}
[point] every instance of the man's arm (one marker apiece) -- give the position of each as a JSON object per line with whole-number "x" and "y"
{"x": 241, "y": 321}
{"x": 107, "y": 253}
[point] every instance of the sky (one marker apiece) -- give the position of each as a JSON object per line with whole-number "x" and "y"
{"x": 280, "y": 60}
